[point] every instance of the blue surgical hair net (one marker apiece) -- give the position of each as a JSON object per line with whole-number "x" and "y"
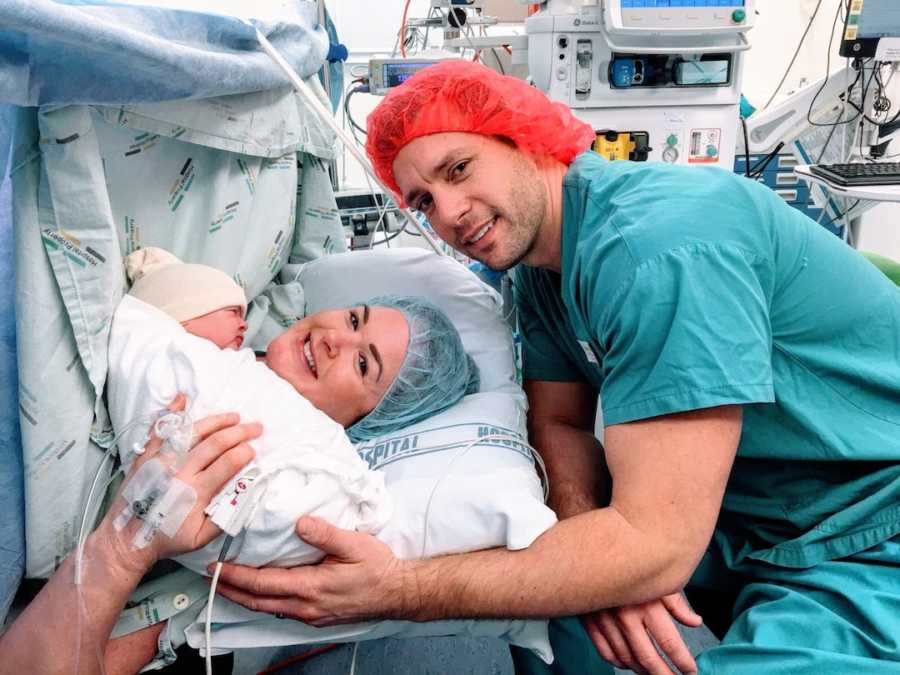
{"x": 436, "y": 371}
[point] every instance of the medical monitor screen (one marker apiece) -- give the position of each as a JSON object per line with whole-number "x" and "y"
{"x": 397, "y": 73}
{"x": 868, "y": 21}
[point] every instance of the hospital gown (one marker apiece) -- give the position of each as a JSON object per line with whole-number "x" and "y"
{"x": 687, "y": 288}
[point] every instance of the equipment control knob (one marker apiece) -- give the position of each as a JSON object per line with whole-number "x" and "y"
{"x": 711, "y": 151}
{"x": 738, "y": 16}
{"x": 672, "y": 140}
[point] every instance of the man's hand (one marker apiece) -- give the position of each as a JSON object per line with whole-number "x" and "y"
{"x": 622, "y": 635}
{"x": 358, "y": 579}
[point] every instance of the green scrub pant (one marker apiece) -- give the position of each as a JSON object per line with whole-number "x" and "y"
{"x": 840, "y": 617}
{"x": 573, "y": 650}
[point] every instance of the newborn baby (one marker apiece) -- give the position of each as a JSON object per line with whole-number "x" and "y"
{"x": 204, "y": 300}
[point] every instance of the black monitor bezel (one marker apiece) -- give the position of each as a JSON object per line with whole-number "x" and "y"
{"x": 863, "y": 48}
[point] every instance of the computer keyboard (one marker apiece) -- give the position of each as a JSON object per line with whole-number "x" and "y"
{"x": 885, "y": 173}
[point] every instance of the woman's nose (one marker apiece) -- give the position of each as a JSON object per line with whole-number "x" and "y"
{"x": 334, "y": 340}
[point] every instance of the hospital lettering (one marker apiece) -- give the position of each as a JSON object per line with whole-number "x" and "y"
{"x": 436, "y": 441}
{"x": 502, "y": 437}
{"x": 389, "y": 449}
{"x": 133, "y": 235}
{"x": 54, "y": 241}
{"x": 280, "y": 163}
{"x": 484, "y": 430}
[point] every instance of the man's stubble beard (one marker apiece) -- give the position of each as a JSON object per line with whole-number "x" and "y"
{"x": 527, "y": 209}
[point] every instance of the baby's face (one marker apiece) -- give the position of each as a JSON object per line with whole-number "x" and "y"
{"x": 224, "y": 327}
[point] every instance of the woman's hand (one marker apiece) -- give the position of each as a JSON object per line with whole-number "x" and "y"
{"x": 66, "y": 627}
{"x": 220, "y": 450}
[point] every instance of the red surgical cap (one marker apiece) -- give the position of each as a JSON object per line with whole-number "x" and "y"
{"x": 466, "y": 96}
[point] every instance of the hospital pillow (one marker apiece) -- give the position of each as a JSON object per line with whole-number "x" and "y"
{"x": 462, "y": 480}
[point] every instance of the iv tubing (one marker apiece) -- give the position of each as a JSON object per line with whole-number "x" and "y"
{"x": 207, "y": 628}
{"x": 349, "y": 144}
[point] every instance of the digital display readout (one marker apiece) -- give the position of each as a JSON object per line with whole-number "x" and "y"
{"x": 398, "y": 73}
{"x": 878, "y": 19}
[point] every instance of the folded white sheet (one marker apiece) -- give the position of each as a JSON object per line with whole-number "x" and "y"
{"x": 304, "y": 464}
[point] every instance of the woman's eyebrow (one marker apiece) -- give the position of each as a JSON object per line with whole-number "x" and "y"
{"x": 365, "y": 314}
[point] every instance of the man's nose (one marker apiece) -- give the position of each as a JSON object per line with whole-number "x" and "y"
{"x": 451, "y": 206}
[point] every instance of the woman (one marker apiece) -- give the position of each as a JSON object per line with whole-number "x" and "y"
{"x": 373, "y": 368}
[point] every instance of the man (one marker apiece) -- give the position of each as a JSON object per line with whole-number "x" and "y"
{"x": 726, "y": 334}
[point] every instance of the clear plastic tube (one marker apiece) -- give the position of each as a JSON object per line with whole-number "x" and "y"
{"x": 538, "y": 460}
{"x": 207, "y": 628}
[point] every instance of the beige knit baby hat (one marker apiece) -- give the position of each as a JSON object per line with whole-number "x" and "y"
{"x": 181, "y": 290}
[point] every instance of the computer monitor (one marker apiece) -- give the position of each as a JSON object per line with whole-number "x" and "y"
{"x": 872, "y": 30}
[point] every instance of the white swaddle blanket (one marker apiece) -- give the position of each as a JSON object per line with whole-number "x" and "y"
{"x": 304, "y": 463}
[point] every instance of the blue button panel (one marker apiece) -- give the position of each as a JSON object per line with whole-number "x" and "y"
{"x": 654, "y": 4}
{"x": 802, "y": 200}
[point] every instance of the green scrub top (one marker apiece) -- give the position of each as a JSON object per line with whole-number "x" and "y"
{"x": 684, "y": 288}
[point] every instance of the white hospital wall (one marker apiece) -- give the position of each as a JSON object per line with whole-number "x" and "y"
{"x": 369, "y": 29}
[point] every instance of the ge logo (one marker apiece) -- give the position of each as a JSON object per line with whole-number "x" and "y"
{"x": 240, "y": 486}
